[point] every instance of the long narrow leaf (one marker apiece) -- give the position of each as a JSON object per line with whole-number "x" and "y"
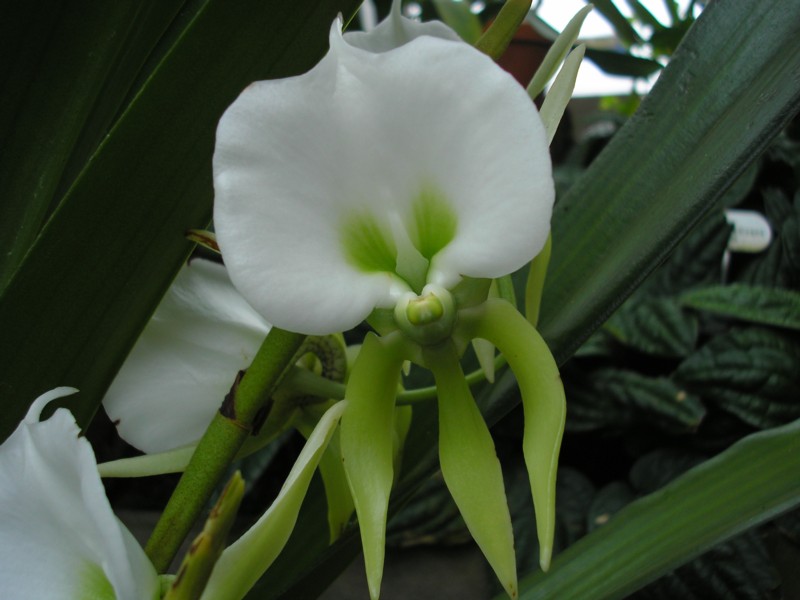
{"x": 70, "y": 64}
{"x": 754, "y": 480}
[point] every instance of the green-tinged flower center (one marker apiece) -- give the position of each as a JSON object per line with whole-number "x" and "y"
{"x": 402, "y": 245}
{"x": 429, "y": 318}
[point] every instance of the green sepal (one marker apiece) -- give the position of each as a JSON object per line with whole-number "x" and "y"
{"x": 470, "y": 467}
{"x": 558, "y": 52}
{"x": 555, "y": 103}
{"x": 337, "y": 492}
{"x": 207, "y": 547}
{"x": 484, "y": 352}
{"x": 367, "y": 441}
{"x": 402, "y": 425}
{"x": 244, "y": 561}
{"x": 543, "y": 402}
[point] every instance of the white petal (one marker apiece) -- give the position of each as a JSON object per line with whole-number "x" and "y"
{"x": 185, "y": 361}
{"x": 367, "y": 133}
{"x": 58, "y": 535}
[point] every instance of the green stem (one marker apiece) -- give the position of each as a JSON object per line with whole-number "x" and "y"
{"x": 431, "y": 392}
{"x": 218, "y": 447}
{"x": 305, "y": 382}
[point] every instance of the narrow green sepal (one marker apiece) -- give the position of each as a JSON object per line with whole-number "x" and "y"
{"x": 367, "y": 441}
{"x": 244, "y": 561}
{"x": 555, "y": 103}
{"x": 496, "y": 39}
{"x": 470, "y": 466}
{"x": 534, "y": 286}
{"x": 484, "y": 352}
{"x": 543, "y": 402}
{"x": 207, "y": 547}
{"x": 337, "y": 491}
{"x": 558, "y": 52}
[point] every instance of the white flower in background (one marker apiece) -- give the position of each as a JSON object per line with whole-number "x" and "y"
{"x": 184, "y": 363}
{"x": 59, "y": 538}
{"x": 404, "y": 159}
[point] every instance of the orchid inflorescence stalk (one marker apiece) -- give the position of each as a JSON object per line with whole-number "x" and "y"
{"x": 392, "y": 183}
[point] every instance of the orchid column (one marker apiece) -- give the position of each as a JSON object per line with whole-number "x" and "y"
{"x": 391, "y": 183}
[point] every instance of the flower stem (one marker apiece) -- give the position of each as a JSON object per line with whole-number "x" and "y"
{"x": 224, "y": 437}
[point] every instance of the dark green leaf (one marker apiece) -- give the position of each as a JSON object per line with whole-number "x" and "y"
{"x": 588, "y": 408}
{"x": 574, "y": 494}
{"x": 601, "y": 343}
{"x": 658, "y": 401}
{"x": 656, "y": 326}
{"x": 779, "y": 265}
{"x": 789, "y": 525}
{"x": 735, "y": 194}
{"x": 739, "y": 569}
{"x": 105, "y": 257}
{"x": 622, "y": 63}
{"x": 608, "y": 501}
{"x": 622, "y": 27}
{"x": 751, "y": 373}
{"x": 656, "y": 469}
{"x": 430, "y": 517}
{"x": 756, "y": 304}
{"x": 696, "y": 261}
{"x": 644, "y": 15}
{"x": 753, "y": 481}
{"x": 665, "y": 41}
{"x": 70, "y": 65}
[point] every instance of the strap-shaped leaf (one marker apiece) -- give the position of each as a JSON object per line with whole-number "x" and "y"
{"x": 754, "y": 480}
{"x": 98, "y": 269}
{"x": 70, "y": 65}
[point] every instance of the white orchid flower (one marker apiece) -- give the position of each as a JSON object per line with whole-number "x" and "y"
{"x": 391, "y": 183}
{"x": 59, "y": 538}
{"x": 184, "y": 363}
{"x": 401, "y": 160}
